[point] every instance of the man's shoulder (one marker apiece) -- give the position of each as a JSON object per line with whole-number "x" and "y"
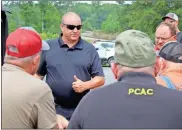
{"x": 179, "y": 33}
{"x": 179, "y": 37}
{"x": 87, "y": 44}
{"x": 122, "y": 89}
{"x": 106, "y": 90}
{"x": 49, "y": 41}
{"x": 37, "y": 89}
{"x": 32, "y": 82}
{"x": 42, "y": 85}
{"x": 52, "y": 42}
{"x": 20, "y": 81}
{"x": 84, "y": 41}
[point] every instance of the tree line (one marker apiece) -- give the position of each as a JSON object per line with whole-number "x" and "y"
{"x": 45, "y": 15}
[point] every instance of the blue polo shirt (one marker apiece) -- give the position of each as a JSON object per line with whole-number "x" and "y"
{"x": 61, "y": 63}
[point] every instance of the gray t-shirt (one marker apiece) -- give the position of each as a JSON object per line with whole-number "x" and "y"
{"x": 27, "y": 102}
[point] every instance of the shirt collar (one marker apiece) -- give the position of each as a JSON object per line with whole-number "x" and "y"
{"x": 13, "y": 67}
{"x": 137, "y": 77}
{"x": 79, "y": 44}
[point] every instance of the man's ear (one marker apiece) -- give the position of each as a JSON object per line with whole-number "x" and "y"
{"x": 61, "y": 27}
{"x": 114, "y": 69}
{"x": 163, "y": 64}
{"x": 36, "y": 60}
{"x": 175, "y": 37}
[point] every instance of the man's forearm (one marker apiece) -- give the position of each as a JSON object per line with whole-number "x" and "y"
{"x": 97, "y": 81}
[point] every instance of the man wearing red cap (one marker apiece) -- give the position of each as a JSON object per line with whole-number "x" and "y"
{"x": 27, "y": 102}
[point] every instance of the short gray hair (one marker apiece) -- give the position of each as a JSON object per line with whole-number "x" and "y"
{"x": 142, "y": 69}
{"x": 25, "y": 59}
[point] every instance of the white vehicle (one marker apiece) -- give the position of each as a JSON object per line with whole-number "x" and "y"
{"x": 106, "y": 51}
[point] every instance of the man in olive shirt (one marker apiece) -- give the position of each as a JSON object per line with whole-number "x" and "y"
{"x": 27, "y": 102}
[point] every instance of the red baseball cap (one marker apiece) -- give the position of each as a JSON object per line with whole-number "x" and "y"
{"x": 24, "y": 42}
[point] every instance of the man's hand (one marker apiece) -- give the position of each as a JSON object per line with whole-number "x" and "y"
{"x": 62, "y": 122}
{"x": 78, "y": 85}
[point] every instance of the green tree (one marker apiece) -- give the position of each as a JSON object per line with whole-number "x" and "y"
{"x": 45, "y": 16}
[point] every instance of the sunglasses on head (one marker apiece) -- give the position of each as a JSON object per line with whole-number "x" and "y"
{"x": 72, "y": 27}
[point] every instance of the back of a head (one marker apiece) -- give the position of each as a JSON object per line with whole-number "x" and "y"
{"x": 134, "y": 49}
{"x": 172, "y": 51}
{"x": 24, "y": 42}
{"x": 23, "y": 47}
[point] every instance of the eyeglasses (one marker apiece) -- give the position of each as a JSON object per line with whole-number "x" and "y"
{"x": 72, "y": 27}
{"x": 164, "y": 39}
{"x": 172, "y": 21}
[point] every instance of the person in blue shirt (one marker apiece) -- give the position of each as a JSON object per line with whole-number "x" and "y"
{"x": 71, "y": 65}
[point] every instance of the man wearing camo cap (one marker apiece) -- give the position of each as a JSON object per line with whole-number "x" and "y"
{"x": 136, "y": 100}
{"x": 173, "y": 19}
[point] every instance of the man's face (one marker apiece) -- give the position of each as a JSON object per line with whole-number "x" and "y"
{"x": 171, "y": 21}
{"x": 162, "y": 36}
{"x": 71, "y": 28}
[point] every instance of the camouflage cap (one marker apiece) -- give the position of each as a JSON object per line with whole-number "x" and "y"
{"x": 171, "y": 15}
{"x": 134, "y": 49}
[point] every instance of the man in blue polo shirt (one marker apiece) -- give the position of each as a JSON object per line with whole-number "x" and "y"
{"x": 72, "y": 66}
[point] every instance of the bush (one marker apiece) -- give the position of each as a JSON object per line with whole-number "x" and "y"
{"x": 46, "y": 36}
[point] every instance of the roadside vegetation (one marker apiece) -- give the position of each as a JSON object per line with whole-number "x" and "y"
{"x": 105, "y": 20}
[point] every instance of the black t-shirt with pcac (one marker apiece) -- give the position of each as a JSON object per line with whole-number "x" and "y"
{"x": 136, "y": 101}
{"x": 179, "y": 37}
